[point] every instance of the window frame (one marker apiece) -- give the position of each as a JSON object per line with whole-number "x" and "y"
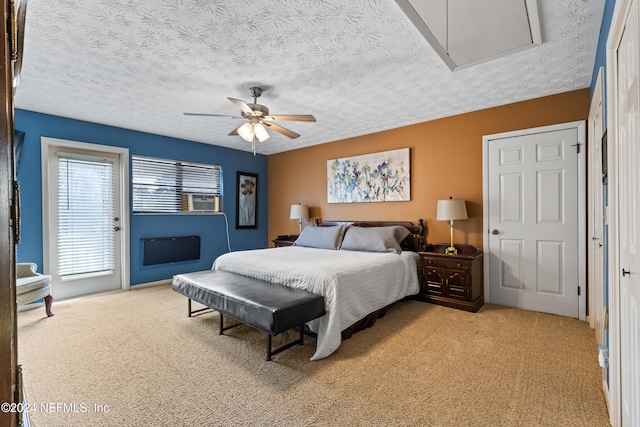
{"x": 176, "y": 172}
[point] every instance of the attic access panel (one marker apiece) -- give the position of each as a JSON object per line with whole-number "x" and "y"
{"x": 469, "y": 32}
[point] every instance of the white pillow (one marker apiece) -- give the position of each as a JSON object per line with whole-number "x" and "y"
{"x": 374, "y": 239}
{"x": 321, "y": 237}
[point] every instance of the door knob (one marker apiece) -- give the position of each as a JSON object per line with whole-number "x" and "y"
{"x": 494, "y": 231}
{"x": 116, "y": 228}
{"x": 624, "y": 272}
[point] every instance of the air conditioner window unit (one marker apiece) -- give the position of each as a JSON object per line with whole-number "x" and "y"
{"x": 200, "y": 203}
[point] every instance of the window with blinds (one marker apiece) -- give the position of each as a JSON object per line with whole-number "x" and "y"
{"x": 85, "y": 216}
{"x": 170, "y": 186}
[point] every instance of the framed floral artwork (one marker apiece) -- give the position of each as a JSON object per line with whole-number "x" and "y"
{"x": 247, "y": 200}
{"x": 375, "y": 177}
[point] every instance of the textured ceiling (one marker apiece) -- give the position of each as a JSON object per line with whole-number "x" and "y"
{"x": 358, "y": 66}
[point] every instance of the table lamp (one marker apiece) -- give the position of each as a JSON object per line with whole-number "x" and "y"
{"x": 451, "y": 210}
{"x": 299, "y": 212}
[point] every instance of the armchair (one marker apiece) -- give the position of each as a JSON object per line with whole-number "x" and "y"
{"x": 32, "y": 286}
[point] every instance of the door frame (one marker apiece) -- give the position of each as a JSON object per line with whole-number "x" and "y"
{"x": 580, "y": 126}
{"x": 616, "y": 30}
{"x": 597, "y": 315}
{"x": 596, "y": 287}
{"x": 8, "y": 316}
{"x": 47, "y": 144}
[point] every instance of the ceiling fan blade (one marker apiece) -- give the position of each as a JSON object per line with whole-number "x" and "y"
{"x": 286, "y": 132}
{"x": 235, "y": 131}
{"x": 242, "y": 105}
{"x": 220, "y": 116}
{"x": 293, "y": 117}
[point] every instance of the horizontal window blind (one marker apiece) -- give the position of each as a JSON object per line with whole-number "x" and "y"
{"x": 161, "y": 185}
{"x": 85, "y": 216}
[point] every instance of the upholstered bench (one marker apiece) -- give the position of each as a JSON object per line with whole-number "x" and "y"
{"x": 268, "y": 307}
{"x": 32, "y": 286}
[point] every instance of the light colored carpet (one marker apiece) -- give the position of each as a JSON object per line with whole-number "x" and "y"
{"x": 138, "y": 353}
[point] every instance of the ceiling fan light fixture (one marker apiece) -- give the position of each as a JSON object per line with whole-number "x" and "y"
{"x": 260, "y": 132}
{"x": 246, "y": 132}
{"x": 255, "y": 129}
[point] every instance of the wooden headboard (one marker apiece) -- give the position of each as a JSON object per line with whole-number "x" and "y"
{"x": 413, "y": 242}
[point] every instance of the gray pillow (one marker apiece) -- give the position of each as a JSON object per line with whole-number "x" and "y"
{"x": 321, "y": 237}
{"x": 374, "y": 239}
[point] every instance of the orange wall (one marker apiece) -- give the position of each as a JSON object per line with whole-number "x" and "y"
{"x": 446, "y": 160}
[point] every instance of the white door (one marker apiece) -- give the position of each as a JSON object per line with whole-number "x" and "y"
{"x": 83, "y": 221}
{"x": 628, "y": 198}
{"x": 533, "y": 221}
{"x": 596, "y": 212}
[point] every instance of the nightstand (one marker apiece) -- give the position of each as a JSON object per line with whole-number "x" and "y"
{"x": 452, "y": 280}
{"x": 284, "y": 240}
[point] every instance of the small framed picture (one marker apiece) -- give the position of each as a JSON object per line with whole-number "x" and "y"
{"x": 247, "y": 200}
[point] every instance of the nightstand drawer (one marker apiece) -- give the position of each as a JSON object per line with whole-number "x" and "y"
{"x": 445, "y": 263}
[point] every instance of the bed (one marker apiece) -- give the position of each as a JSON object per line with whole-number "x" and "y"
{"x": 360, "y": 268}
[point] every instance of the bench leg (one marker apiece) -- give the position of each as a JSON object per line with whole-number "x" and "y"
{"x": 271, "y": 352}
{"x": 47, "y": 305}
{"x": 192, "y": 312}
{"x": 226, "y": 328}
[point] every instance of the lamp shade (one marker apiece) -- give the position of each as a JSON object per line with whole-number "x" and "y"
{"x": 299, "y": 211}
{"x": 260, "y": 132}
{"x": 452, "y": 209}
{"x": 246, "y": 132}
{"x": 250, "y": 130}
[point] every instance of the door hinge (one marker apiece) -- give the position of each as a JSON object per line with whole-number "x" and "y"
{"x": 578, "y": 290}
{"x": 15, "y": 212}
{"x": 577, "y": 147}
{"x": 19, "y": 395}
{"x": 13, "y": 31}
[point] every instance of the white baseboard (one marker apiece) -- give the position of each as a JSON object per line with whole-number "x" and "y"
{"x": 146, "y": 285}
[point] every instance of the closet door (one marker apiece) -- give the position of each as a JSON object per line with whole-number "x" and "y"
{"x": 629, "y": 201}
{"x": 625, "y": 203}
{"x": 533, "y": 215}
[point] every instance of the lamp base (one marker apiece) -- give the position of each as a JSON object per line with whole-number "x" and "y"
{"x": 451, "y": 250}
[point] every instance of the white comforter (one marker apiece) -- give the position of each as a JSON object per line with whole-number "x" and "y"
{"x": 353, "y": 283}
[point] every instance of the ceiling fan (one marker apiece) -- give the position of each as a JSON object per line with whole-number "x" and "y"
{"x": 258, "y": 120}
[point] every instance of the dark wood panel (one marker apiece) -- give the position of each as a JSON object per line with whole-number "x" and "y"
{"x": 285, "y": 240}
{"x": 8, "y": 328}
{"x": 452, "y": 280}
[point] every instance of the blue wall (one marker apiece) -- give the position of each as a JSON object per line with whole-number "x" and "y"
{"x": 601, "y": 52}
{"x": 601, "y": 61}
{"x": 211, "y": 228}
